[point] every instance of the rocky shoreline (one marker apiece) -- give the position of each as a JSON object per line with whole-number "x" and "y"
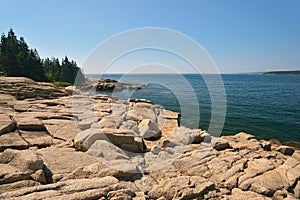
{"x": 54, "y": 145}
{"x": 109, "y": 85}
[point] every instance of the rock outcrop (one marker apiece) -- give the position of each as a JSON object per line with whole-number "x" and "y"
{"x": 109, "y": 85}
{"x": 24, "y": 88}
{"x": 99, "y": 147}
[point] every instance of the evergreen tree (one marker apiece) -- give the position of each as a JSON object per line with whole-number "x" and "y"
{"x": 9, "y": 50}
{"x": 22, "y": 59}
{"x": 3, "y": 58}
{"x": 16, "y": 59}
{"x": 36, "y": 66}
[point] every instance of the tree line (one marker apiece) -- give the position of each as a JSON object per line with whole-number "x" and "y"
{"x": 17, "y": 59}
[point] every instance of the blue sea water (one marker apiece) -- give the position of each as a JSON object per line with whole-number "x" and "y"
{"x": 265, "y": 106}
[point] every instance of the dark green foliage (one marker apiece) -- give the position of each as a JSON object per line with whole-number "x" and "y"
{"x": 61, "y": 84}
{"x": 65, "y": 71}
{"x": 16, "y": 59}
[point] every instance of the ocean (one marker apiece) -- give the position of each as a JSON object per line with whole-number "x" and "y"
{"x": 265, "y": 106}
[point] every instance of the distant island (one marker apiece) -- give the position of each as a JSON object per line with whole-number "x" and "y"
{"x": 286, "y": 73}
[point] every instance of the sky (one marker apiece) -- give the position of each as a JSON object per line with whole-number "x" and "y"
{"x": 239, "y": 35}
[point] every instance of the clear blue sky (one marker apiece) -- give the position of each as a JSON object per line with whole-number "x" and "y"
{"x": 240, "y": 35}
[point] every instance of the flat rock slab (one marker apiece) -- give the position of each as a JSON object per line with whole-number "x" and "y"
{"x": 101, "y": 170}
{"x": 21, "y": 106}
{"x": 30, "y": 124}
{"x": 10, "y": 174}
{"x": 12, "y": 140}
{"x": 32, "y": 115}
{"x": 64, "y": 160}
{"x": 38, "y": 139}
{"x": 96, "y": 188}
{"x": 183, "y": 187}
{"x": 17, "y": 185}
{"x": 140, "y": 113}
{"x": 62, "y": 129}
{"x": 125, "y": 141}
{"x": 168, "y": 127}
{"x": 6, "y": 124}
{"x": 6, "y": 109}
{"x": 168, "y": 114}
{"x": 267, "y": 183}
{"x": 24, "y": 88}
{"x": 238, "y": 194}
{"x": 7, "y": 99}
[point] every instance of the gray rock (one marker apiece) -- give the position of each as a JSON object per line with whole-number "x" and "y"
{"x": 87, "y": 122}
{"x": 186, "y": 136}
{"x": 107, "y": 151}
{"x": 109, "y": 122}
{"x": 130, "y": 126}
{"x": 138, "y": 114}
{"x": 149, "y": 129}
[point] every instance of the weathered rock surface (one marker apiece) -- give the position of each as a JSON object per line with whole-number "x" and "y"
{"x": 115, "y": 136}
{"x": 109, "y": 85}
{"x": 149, "y": 129}
{"x": 62, "y": 129}
{"x": 23, "y": 88}
{"x": 30, "y": 124}
{"x": 238, "y": 194}
{"x": 64, "y": 160}
{"x": 6, "y": 124}
{"x": 99, "y": 147}
{"x": 183, "y": 187}
{"x": 37, "y": 138}
{"x": 18, "y": 165}
{"x": 12, "y": 140}
{"x": 95, "y": 188}
{"x": 286, "y": 150}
